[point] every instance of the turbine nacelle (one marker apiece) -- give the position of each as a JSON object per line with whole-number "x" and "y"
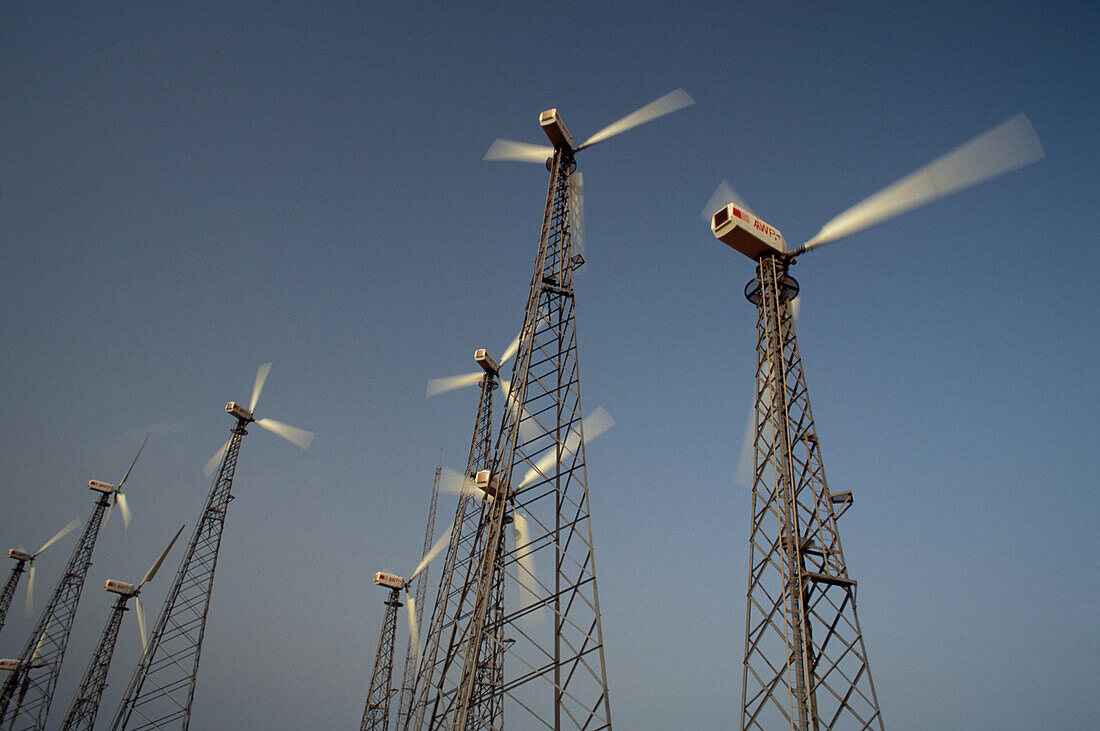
{"x": 9, "y": 664}
{"x": 18, "y": 555}
{"x": 489, "y": 483}
{"x": 744, "y": 232}
{"x": 555, "y": 129}
{"x": 98, "y": 486}
{"x": 120, "y": 587}
{"x": 390, "y": 581}
{"x": 486, "y": 361}
{"x": 235, "y": 409}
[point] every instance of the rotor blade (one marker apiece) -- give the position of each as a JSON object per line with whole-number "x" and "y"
{"x": 667, "y": 104}
{"x": 724, "y": 194}
{"x": 124, "y": 508}
{"x": 1008, "y": 146}
{"x": 292, "y": 434}
{"x": 743, "y": 477}
{"x": 510, "y": 351}
{"x": 796, "y": 307}
{"x": 518, "y": 151}
{"x": 592, "y": 426}
{"x": 156, "y": 564}
{"x": 414, "y": 631}
{"x": 41, "y": 639}
{"x": 110, "y": 510}
{"x": 58, "y": 536}
{"x": 30, "y": 591}
{"x": 214, "y": 461}
{"x": 450, "y": 383}
{"x": 433, "y": 552}
{"x": 575, "y": 193}
{"x": 258, "y": 385}
{"x": 453, "y": 483}
{"x": 127, "y": 475}
{"x": 528, "y": 584}
{"x": 139, "y": 610}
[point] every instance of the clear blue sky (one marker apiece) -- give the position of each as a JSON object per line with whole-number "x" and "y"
{"x": 189, "y": 190}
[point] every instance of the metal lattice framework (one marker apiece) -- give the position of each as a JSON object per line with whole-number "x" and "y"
{"x": 408, "y": 686}
{"x": 437, "y": 676}
{"x": 163, "y": 685}
{"x": 805, "y": 666}
{"x": 85, "y": 705}
{"x": 28, "y": 691}
{"x": 550, "y": 643}
{"x": 376, "y": 714}
{"x": 8, "y": 591}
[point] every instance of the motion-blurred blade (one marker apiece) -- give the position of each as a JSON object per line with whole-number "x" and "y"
{"x": 510, "y": 351}
{"x": 292, "y": 434}
{"x": 41, "y": 640}
{"x": 745, "y": 463}
{"x": 433, "y": 552}
{"x": 124, "y": 508}
{"x": 592, "y": 426}
{"x": 796, "y": 307}
{"x": 156, "y": 564}
{"x": 140, "y": 611}
{"x": 258, "y": 385}
{"x": 127, "y": 475}
{"x": 1008, "y": 146}
{"x": 450, "y": 383}
{"x": 414, "y": 630}
{"x": 575, "y": 194}
{"x": 518, "y": 151}
{"x": 667, "y": 104}
{"x": 30, "y": 591}
{"x": 58, "y": 536}
{"x": 724, "y": 194}
{"x": 453, "y": 483}
{"x": 525, "y": 577}
{"x": 214, "y": 461}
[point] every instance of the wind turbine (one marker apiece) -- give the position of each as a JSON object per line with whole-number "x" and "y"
{"x": 36, "y": 670}
{"x": 85, "y": 705}
{"x": 805, "y": 665}
{"x": 376, "y": 713}
{"x": 560, "y": 671}
{"x": 163, "y": 685}
{"x": 22, "y": 558}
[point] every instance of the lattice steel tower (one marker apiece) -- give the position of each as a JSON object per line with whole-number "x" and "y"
{"x": 376, "y": 713}
{"x": 162, "y": 688}
{"x": 543, "y": 656}
{"x": 28, "y": 691}
{"x": 805, "y": 665}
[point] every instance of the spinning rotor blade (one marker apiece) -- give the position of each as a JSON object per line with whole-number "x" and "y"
{"x": 528, "y": 591}
{"x": 453, "y": 483}
{"x": 593, "y": 426}
{"x": 127, "y": 475}
{"x": 450, "y": 383}
{"x": 796, "y": 307}
{"x": 510, "y": 351}
{"x": 140, "y": 611}
{"x": 156, "y": 564}
{"x": 575, "y": 193}
{"x": 57, "y": 536}
{"x": 123, "y": 507}
{"x": 29, "y": 608}
{"x": 214, "y": 461}
{"x": 724, "y": 194}
{"x": 518, "y": 151}
{"x": 414, "y": 630}
{"x": 1008, "y": 146}
{"x": 667, "y": 104}
{"x": 261, "y": 376}
{"x": 433, "y": 552}
{"x": 292, "y": 434}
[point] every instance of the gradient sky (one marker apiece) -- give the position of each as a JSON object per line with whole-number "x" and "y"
{"x": 189, "y": 190}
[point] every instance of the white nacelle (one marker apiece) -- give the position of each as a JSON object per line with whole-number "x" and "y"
{"x": 555, "y": 129}
{"x": 119, "y": 587}
{"x": 391, "y": 581}
{"x": 488, "y": 483}
{"x": 740, "y": 230}
{"x": 481, "y": 355}
{"x": 9, "y": 664}
{"x": 18, "y": 555}
{"x": 100, "y": 486}
{"x": 235, "y": 409}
